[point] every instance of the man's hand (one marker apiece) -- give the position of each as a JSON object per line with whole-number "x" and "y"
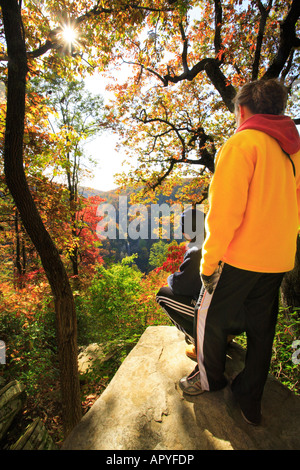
{"x": 208, "y": 283}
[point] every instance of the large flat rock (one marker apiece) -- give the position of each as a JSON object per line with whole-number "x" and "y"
{"x": 144, "y": 409}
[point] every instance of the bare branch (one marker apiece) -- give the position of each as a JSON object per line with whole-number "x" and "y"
{"x": 288, "y": 41}
{"x": 264, "y": 13}
{"x": 185, "y": 48}
{"x": 218, "y": 25}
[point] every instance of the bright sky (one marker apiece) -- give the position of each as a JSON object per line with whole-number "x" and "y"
{"x": 102, "y": 148}
{"x": 109, "y": 162}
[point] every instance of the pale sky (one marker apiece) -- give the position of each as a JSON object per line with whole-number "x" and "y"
{"x": 102, "y": 148}
{"x": 109, "y": 162}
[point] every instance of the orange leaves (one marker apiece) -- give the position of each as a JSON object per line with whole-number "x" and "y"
{"x": 23, "y": 303}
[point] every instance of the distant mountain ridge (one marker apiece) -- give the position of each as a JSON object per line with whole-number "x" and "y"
{"x": 110, "y": 196}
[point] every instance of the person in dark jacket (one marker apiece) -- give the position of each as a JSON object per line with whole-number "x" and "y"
{"x": 178, "y": 299}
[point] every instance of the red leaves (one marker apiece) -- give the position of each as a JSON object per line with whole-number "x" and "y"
{"x": 175, "y": 257}
{"x": 86, "y": 233}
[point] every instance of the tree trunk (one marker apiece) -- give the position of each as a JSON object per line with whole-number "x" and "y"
{"x": 17, "y": 184}
{"x": 17, "y": 260}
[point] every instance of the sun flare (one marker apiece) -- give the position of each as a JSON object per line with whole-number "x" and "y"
{"x": 69, "y": 34}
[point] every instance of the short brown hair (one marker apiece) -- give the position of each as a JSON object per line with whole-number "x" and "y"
{"x": 263, "y": 97}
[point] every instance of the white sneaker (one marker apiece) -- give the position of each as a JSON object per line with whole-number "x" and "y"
{"x": 191, "y": 384}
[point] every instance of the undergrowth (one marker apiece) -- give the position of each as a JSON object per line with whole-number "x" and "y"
{"x": 285, "y": 362}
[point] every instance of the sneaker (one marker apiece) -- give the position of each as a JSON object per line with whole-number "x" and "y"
{"x": 188, "y": 339}
{"x": 251, "y": 412}
{"x": 230, "y": 338}
{"x": 190, "y": 352}
{"x": 191, "y": 384}
{"x": 251, "y": 417}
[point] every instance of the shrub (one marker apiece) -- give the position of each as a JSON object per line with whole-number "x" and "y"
{"x": 283, "y": 367}
{"x": 111, "y": 303}
{"x": 28, "y": 330}
{"x": 119, "y": 303}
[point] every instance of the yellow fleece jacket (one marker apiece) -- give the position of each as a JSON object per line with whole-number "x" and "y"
{"x": 254, "y": 198}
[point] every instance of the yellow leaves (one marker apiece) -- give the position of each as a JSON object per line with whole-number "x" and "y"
{"x": 31, "y": 117}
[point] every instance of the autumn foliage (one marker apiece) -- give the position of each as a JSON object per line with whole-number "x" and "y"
{"x": 184, "y": 62}
{"x": 175, "y": 254}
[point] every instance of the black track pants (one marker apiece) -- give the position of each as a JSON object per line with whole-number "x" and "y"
{"x": 179, "y": 308}
{"x": 241, "y": 301}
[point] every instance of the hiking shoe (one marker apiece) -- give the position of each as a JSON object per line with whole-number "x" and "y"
{"x": 250, "y": 411}
{"x": 191, "y": 384}
{"x": 190, "y": 352}
{"x": 230, "y": 338}
{"x": 251, "y": 416}
{"x": 188, "y": 339}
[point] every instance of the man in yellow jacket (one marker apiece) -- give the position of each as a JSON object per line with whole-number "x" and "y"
{"x": 251, "y": 234}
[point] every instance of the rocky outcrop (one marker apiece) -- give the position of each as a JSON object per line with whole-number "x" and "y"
{"x": 144, "y": 409}
{"x": 35, "y": 437}
{"x": 12, "y": 399}
{"x": 95, "y": 355}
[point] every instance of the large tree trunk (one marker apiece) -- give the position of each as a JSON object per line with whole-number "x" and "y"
{"x": 17, "y": 184}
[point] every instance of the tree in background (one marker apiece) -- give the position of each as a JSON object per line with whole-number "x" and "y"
{"x": 90, "y": 252}
{"x": 157, "y": 254}
{"x": 68, "y": 221}
{"x": 18, "y": 186}
{"x": 79, "y": 115}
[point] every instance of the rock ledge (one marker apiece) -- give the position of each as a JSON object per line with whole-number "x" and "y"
{"x": 144, "y": 409}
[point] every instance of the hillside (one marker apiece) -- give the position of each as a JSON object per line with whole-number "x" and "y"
{"x": 119, "y": 247}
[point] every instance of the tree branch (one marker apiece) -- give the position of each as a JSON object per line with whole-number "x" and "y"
{"x": 288, "y": 41}
{"x": 205, "y": 156}
{"x": 185, "y": 48}
{"x": 218, "y": 25}
{"x": 264, "y": 13}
